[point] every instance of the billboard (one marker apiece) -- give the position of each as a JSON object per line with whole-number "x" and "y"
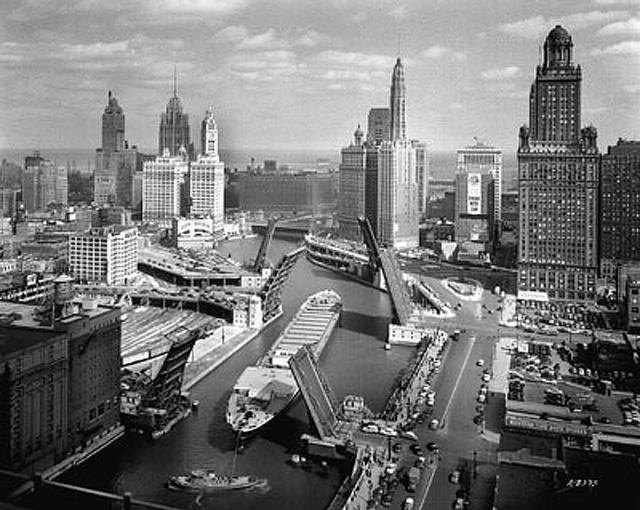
{"x": 474, "y": 193}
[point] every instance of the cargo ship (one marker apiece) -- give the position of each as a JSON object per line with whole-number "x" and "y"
{"x": 346, "y": 257}
{"x": 266, "y": 389}
{"x": 200, "y": 480}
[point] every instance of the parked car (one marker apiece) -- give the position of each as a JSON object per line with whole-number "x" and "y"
{"x": 480, "y": 363}
{"x": 432, "y": 447}
{"x": 454, "y": 477}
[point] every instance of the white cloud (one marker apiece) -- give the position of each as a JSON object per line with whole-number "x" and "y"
{"x": 231, "y": 34}
{"x": 628, "y": 27}
{"x": 201, "y": 6}
{"x": 501, "y": 73}
{"x": 399, "y": 12}
{"x": 623, "y": 48}
{"x": 631, "y": 89}
{"x": 265, "y": 41}
{"x": 359, "y": 17}
{"x": 617, "y": 2}
{"x": 537, "y": 27}
{"x": 455, "y": 106}
{"x": 350, "y": 58}
{"x": 437, "y": 51}
{"x": 310, "y": 38}
{"x": 95, "y": 50}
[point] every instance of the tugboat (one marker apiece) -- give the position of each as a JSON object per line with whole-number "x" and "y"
{"x": 201, "y": 480}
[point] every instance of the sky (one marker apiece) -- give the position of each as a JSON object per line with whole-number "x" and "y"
{"x": 302, "y": 74}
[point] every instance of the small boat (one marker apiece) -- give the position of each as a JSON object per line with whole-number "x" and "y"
{"x": 195, "y": 404}
{"x": 201, "y": 480}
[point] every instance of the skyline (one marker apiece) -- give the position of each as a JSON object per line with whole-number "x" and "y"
{"x": 301, "y": 76}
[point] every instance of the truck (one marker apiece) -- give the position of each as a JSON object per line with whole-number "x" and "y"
{"x": 413, "y": 477}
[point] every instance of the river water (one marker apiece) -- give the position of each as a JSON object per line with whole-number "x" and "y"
{"x": 354, "y": 361}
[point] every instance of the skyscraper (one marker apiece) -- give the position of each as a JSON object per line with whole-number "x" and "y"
{"x": 397, "y": 197}
{"x": 619, "y": 207}
{"x": 206, "y": 180}
{"x": 423, "y": 162}
{"x": 116, "y": 163}
{"x": 351, "y": 199}
{"x": 378, "y": 129}
{"x": 558, "y": 167}
{"x": 174, "y": 126}
{"x": 483, "y": 158}
{"x": 43, "y": 184}
{"x": 112, "y": 126}
{"x": 162, "y": 184}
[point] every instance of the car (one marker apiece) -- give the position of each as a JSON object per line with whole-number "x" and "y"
{"x": 419, "y": 463}
{"x": 370, "y": 428}
{"x": 407, "y": 434}
{"x": 486, "y": 377}
{"x": 433, "y": 424}
{"x": 478, "y": 419}
{"x": 391, "y": 468}
{"x": 432, "y": 447}
{"x": 458, "y": 504}
{"x": 388, "y": 431}
{"x": 396, "y": 448}
{"x": 415, "y": 448}
{"x": 454, "y": 477}
{"x": 483, "y": 391}
{"x": 480, "y": 409}
{"x": 407, "y": 504}
{"x": 481, "y": 398}
{"x": 480, "y": 363}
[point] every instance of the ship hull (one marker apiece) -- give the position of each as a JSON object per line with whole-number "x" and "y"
{"x": 247, "y": 418}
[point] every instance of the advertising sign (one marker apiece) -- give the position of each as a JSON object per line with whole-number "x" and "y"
{"x": 474, "y": 194}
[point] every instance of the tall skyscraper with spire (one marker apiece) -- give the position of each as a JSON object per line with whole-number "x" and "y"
{"x": 397, "y": 198}
{"x": 206, "y": 177}
{"x": 112, "y": 126}
{"x": 558, "y": 173}
{"x": 398, "y": 103}
{"x": 174, "y": 125}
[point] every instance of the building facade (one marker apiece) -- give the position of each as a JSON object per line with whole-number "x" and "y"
{"x": 378, "y": 126}
{"x": 116, "y": 163}
{"x": 303, "y": 191}
{"x": 107, "y": 254}
{"x": 474, "y": 209}
{"x": 206, "y": 178}
{"x": 43, "y": 184}
{"x": 162, "y": 184}
{"x": 423, "y": 161}
{"x": 397, "y": 182}
{"x": 558, "y": 167}
{"x": 351, "y": 196}
{"x": 174, "y": 130}
{"x": 60, "y": 384}
{"x": 482, "y": 158}
{"x": 619, "y": 207}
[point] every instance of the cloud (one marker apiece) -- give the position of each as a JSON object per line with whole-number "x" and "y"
{"x": 359, "y": 17}
{"x": 265, "y": 41}
{"x": 537, "y": 27}
{"x": 437, "y": 51}
{"x": 455, "y": 106}
{"x": 399, "y": 13}
{"x": 501, "y": 73}
{"x": 628, "y": 27}
{"x": 623, "y": 48}
{"x": 310, "y": 38}
{"x": 198, "y": 6}
{"x": 616, "y": 2}
{"x": 231, "y": 34}
{"x": 631, "y": 89}
{"x": 350, "y": 58}
{"x": 95, "y": 50}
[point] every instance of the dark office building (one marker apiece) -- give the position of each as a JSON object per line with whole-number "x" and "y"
{"x": 174, "y": 127}
{"x": 60, "y": 385}
{"x": 558, "y": 167}
{"x": 619, "y": 207}
{"x": 378, "y": 126}
{"x": 314, "y": 192}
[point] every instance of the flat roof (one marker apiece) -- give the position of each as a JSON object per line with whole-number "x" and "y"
{"x": 13, "y": 339}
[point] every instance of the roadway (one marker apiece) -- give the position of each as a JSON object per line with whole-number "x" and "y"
{"x": 457, "y": 386}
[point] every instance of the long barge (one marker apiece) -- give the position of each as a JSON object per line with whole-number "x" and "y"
{"x": 265, "y": 390}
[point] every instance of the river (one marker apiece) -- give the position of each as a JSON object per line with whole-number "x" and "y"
{"x": 354, "y": 361}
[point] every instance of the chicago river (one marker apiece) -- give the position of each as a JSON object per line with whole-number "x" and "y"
{"x": 354, "y": 361}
